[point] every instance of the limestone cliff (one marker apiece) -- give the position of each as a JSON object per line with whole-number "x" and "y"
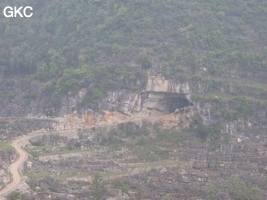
{"x": 158, "y": 101}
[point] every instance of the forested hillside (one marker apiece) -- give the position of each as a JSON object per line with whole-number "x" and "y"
{"x": 134, "y": 99}
{"x": 105, "y": 45}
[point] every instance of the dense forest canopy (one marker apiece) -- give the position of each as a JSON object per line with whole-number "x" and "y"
{"x": 72, "y": 44}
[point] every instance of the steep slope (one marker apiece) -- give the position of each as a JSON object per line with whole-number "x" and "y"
{"x": 87, "y": 48}
{"x": 159, "y": 81}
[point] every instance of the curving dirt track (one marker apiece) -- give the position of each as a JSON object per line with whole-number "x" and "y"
{"x": 15, "y": 168}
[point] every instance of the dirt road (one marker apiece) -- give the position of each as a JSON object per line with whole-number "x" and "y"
{"x": 16, "y": 166}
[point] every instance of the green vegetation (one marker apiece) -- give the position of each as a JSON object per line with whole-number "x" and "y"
{"x": 36, "y": 154}
{"x": 91, "y": 43}
{"x": 7, "y": 172}
{"x": 155, "y": 164}
{"x": 64, "y": 176}
{"x": 227, "y": 107}
{"x": 65, "y": 152}
{"x": 29, "y": 97}
{"x": 218, "y": 46}
{"x": 213, "y": 131}
{"x": 15, "y": 196}
{"x": 239, "y": 191}
{"x": 112, "y": 174}
{"x": 82, "y": 175}
{"x": 40, "y": 147}
{"x": 144, "y": 60}
{"x": 211, "y": 192}
{"x": 5, "y": 146}
{"x": 97, "y": 189}
{"x": 139, "y": 142}
{"x": 37, "y": 175}
{"x": 239, "y": 107}
{"x": 167, "y": 197}
{"x": 124, "y": 187}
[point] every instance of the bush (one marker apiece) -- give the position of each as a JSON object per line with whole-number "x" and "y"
{"x": 238, "y": 107}
{"x": 202, "y": 131}
{"x": 142, "y": 141}
{"x": 211, "y": 192}
{"x": 213, "y": 131}
{"x": 117, "y": 183}
{"x": 29, "y": 97}
{"x": 78, "y": 145}
{"x": 14, "y": 196}
{"x": 144, "y": 60}
{"x": 97, "y": 189}
{"x": 195, "y": 97}
{"x": 239, "y": 191}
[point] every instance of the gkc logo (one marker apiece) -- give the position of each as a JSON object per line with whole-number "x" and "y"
{"x": 21, "y": 11}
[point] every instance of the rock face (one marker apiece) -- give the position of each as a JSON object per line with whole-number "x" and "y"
{"x": 159, "y": 97}
{"x": 160, "y": 94}
{"x": 125, "y": 101}
{"x": 158, "y": 83}
{"x": 4, "y": 179}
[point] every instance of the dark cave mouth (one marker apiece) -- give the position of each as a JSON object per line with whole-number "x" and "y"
{"x": 164, "y": 101}
{"x": 174, "y": 103}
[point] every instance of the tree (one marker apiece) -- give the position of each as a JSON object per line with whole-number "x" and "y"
{"x": 211, "y": 192}
{"x": 144, "y": 60}
{"x": 117, "y": 183}
{"x": 236, "y": 188}
{"x": 98, "y": 190}
{"x": 239, "y": 191}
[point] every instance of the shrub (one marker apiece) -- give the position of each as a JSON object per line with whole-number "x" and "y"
{"x": 78, "y": 145}
{"x": 202, "y": 131}
{"x": 117, "y": 183}
{"x": 29, "y": 97}
{"x": 142, "y": 141}
{"x": 14, "y": 196}
{"x": 97, "y": 189}
{"x": 211, "y": 192}
{"x": 144, "y": 60}
{"x": 239, "y": 191}
{"x": 213, "y": 131}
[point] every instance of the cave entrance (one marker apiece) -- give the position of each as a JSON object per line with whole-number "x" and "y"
{"x": 164, "y": 101}
{"x": 174, "y": 103}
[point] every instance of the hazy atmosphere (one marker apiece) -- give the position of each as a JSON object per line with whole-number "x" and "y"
{"x": 133, "y": 100}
